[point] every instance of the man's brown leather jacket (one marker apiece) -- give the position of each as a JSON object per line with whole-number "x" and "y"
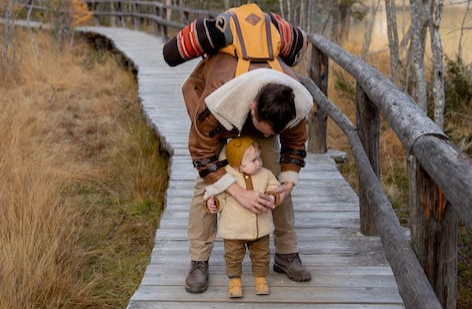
{"x": 207, "y": 136}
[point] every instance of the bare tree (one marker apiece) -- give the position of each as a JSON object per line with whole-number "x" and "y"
{"x": 438, "y": 74}
{"x": 459, "y": 49}
{"x": 301, "y": 16}
{"x": 7, "y": 54}
{"x": 392, "y": 34}
{"x": 309, "y": 10}
{"x": 281, "y": 8}
{"x": 169, "y": 11}
{"x": 289, "y": 11}
{"x": 417, "y": 52}
{"x": 426, "y": 14}
{"x": 310, "y": 15}
{"x": 341, "y": 20}
{"x": 370, "y": 26}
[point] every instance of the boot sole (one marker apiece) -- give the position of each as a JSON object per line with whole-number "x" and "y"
{"x": 281, "y": 270}
{"x": 262, "y": 292}
{"x": 236, "y": 295}
{"x": 193, "y": 290}
{"x": 196, "y": 290}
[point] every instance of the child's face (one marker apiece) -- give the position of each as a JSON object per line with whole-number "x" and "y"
{"x": 251, "y": 162}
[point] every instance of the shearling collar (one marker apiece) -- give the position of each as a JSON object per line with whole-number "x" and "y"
{"x": 230, "y": 103}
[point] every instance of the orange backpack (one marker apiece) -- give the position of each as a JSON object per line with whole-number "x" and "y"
{"x": 255, "y": 38}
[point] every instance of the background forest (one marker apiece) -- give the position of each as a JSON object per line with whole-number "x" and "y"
{"x": 86, "y": 257}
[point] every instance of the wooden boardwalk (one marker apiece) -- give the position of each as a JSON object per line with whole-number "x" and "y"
{"x": 349, "y": 270}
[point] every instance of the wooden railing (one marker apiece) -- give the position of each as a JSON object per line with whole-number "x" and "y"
{"x": 440, "y": 177}
{"x": 163, "y": 16}
{"x": 127, "y": 13}
{"x": 440, "y": 174}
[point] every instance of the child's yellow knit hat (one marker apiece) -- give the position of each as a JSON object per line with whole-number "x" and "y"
{"x": 236, "y": 148}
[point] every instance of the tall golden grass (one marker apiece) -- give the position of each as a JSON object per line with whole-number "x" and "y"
{"x": 38, "y": 234}
{"x": 81, "y": 178}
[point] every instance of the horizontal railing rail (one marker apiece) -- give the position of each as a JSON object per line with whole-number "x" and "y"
{"x": 126, "y": 12}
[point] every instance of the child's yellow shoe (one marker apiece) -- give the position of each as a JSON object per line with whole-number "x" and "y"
{"x": 262, "y": 287}
{"x": 235, "y": 288}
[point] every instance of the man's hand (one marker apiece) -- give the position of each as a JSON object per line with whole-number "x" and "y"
{"x": 254, "y": 201}
{"x": 284, "y": 190}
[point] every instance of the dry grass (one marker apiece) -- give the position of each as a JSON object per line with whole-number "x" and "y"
{"x": 341, "y": 91}
{"x": 82, "y": 179}
{"x": 37, "y": 248}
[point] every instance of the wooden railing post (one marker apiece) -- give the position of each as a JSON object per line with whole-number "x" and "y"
{"x": 186, "y": 17}
{"x": 434, "y": 228}
{"x": 318, "y": 119}
{"x": 112, "y": 17}
{"x": 368, "y": 128}
{"x": 158, "y": 24}
{"x": 164, "y": 27}
{"x": 95, "y": 8}
{"x": 136, "y": 19}
{"x": 121, "y": 14}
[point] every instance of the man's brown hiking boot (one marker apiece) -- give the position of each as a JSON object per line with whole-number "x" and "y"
{"x": 197, "y": 278}
{"x": 291, "y": 265}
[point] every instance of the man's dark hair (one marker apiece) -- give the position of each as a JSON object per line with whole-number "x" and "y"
{"x": 275, "y": 104}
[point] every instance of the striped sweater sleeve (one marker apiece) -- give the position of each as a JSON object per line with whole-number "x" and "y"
{"x": 202, "y": 36}
{"x": 293, "y": 40}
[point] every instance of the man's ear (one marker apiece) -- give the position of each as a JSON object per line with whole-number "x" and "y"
{"x": 253, "y": 106}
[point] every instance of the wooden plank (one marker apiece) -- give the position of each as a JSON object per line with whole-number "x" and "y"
{"x": 326, "y": 206}
{"x": 300, "y": 223}
{"x": 320, "y": 246}
{"x": 306, "y": 217}
{"x": 241, "y": 304}
{"x": 303, "y": 235}
{"x": 162, "y": 278}
{"x": 357, "y": 271}
{"x": 309, "y": 260}
{"x": 304, "y": 294}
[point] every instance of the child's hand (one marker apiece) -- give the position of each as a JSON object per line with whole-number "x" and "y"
{"x": 274, "y": 197}
{"x": 211, "y": 204}
{"x": 283, "y": 191}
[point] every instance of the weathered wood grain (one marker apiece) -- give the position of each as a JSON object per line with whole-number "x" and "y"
{"x": 368, "y": 127}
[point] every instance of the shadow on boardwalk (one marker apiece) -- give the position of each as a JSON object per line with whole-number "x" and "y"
{"x": 349, "y": 270}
